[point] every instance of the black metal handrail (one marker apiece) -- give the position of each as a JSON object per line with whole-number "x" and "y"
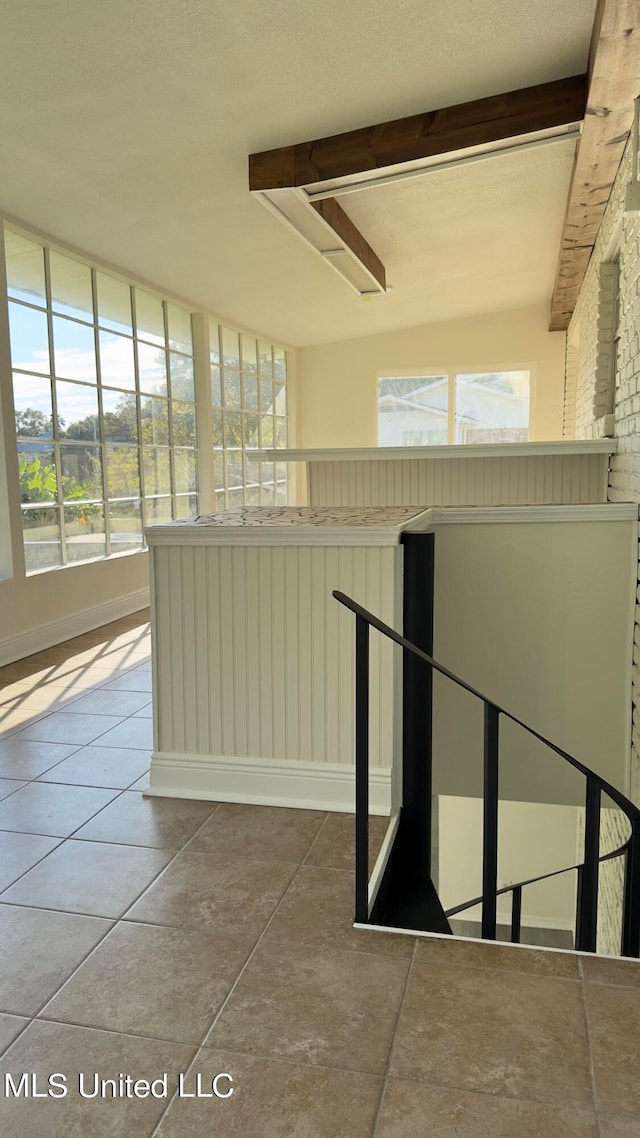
{"x": 588, "y": 870}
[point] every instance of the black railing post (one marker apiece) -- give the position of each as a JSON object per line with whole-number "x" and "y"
{"x": 516, "y": 914}
{"x": 490, "y": 823}
{"x": 362, "y": 770}
{"x": 417, "y": 698}
{"x": 588, "y": 900}
{"x": 578, "y": 903}
{"x": 631, "y": 910}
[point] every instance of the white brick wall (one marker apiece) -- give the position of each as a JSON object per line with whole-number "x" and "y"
{"x": 592, "y": 410}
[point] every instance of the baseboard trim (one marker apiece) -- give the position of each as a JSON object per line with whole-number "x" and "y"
{"x": 265, "y": 782}
{"x": 56, "y": 631}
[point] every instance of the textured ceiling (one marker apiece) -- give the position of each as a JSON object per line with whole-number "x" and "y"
{"x": 126, "y": 127}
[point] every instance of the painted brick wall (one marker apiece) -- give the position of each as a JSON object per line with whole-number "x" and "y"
{"x": 593, "y": 410}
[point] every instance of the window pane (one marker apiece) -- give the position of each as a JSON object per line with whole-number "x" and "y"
{"x": 125, "y": 526}
{"x": 25, "y": 268}
{"x": 216, "y": 386}
{"x": 268, "y": 482}
{"x": 230, "y": 349}
{"x": 116, "y": 361}
{"x": 158, "y": 510}
{"x": 492, "y": 407}
{"x": 280, "y": 401}
{"x": 152, "y": 367}
{"x": 81, "y": 468}
{"x": 249, "y": 355}
{"x": 37, "y": 471}
{"x": 233, "y": 429}
{"x": 218, "y": 419}
{"x": 252, "y": 483}
{"x": 281, "y": 431}
{"x": 155, "y": 421}
{"x": 250, "y": 392}
{"x": 266, "y": 431}
{"x": 186, "y": 506}
{"x": 149, "y": 317}
{"x": 123, "y": 474}
{"x": 70, "y": 287}
{"x": 233, "y": 463}
{"x": 218, "y": 466}
{"x": 114, "y": 303}
{"x": 265, "y": 360}
{"x": 179, "y": 328}
{"x": 42, "y": 544}
{"x": 252, "y": 429}
{"x": 266, "y": 395}
{"x": 29, "y": 336}
{"x": 183, "y": 422}
{"x": 413, "y": 411}
{"x": 77, "y": 407}
{"x": 84, "y": 531}
{"x": 33, "y": 407}
{"x": 231, "y": 389}
{"x": 74, "y": 350}
{"x": 181, "y": 377}
{"x": 157, "y": 470}
{"x": 186, "y": 470}
{"x": 280, "y": 363}
{"x": 119, "y": 416}
{"x": 214, "y": 342}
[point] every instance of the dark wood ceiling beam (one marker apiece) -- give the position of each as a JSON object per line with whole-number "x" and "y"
{"x": 613, "y": 84}
{"x": 476, "y": 123}
{"x": 333, "y": 214}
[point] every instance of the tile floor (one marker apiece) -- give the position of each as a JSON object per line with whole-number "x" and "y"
{"x": 148, "y": 936}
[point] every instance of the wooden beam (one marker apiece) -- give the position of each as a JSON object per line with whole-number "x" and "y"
{"x": 421, "y": 136}
{"x": 613, "y": 84}
{"x": 333, "y": 214}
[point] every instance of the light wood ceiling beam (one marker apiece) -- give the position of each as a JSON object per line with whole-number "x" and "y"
{"x": 613, "y": 82}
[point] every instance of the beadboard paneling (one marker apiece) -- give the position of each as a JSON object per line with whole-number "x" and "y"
{"x": 553, "y": 479}
{"x": 254, "y": 657}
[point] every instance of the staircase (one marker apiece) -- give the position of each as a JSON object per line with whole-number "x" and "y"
{"x": 401, "y": 893}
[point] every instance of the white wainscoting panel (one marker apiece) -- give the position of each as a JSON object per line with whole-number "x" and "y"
{"x": 544, "y": 479}
{"x": 253, "y": 656}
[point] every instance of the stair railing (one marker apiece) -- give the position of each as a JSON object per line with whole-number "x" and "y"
{"x": 588, "y": 869}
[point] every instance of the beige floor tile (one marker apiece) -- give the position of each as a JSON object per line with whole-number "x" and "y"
{"x": 20, "y": 852}
{"x": 614, "y": 1029}
{"x": 10, "y": 1027}
{"x": 89, "y": 877}
{"x": 166, "y": 823}
{"x": 274, "y": 1100}
{"x": 45, "y": 1047}
{"x": 413, "y": 1111}
{"x": 619, "y": 1127}
{"x": 318, "y": 909}
{"x": 9, "y": 786}
{"x": 102, "y": 702}
{"x": 204, "y": 891}
{"x": 601, "y": 970}
{"x": 504, "y": 957}
{"x": 130, "y": 733}
{"x": 38, "y": 951}
{"x": 101, "y": 766}
{"x": 146, "y": 980}
{"x": 272, "y": 833}
{"x": 504, "y": 1033}
{"x": 24, "y": 760}
{"x": 335, "y": 845}
{"x": 50, "y": 808}
{"x": 132, "y": 681}
{"x": 64, "y": 727}
{"x": 335, "y": 1009}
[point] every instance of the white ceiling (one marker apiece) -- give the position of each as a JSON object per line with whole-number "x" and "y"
{"x": 126, "y": 127}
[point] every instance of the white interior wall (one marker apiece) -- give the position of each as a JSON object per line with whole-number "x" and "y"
{"x": 338, "y": 382}
{"x": 538, "y": 618}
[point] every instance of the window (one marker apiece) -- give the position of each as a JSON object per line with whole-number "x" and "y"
{"x": 103, "y": 385}
{"x": 249, "y": 399}
{"x": 454, "y": 407}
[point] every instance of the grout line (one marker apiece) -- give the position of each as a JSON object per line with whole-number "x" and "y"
{"x": 319, "y": 831}
{"x": 385, "y": 1077}
{"x": 592, "y": 1076}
